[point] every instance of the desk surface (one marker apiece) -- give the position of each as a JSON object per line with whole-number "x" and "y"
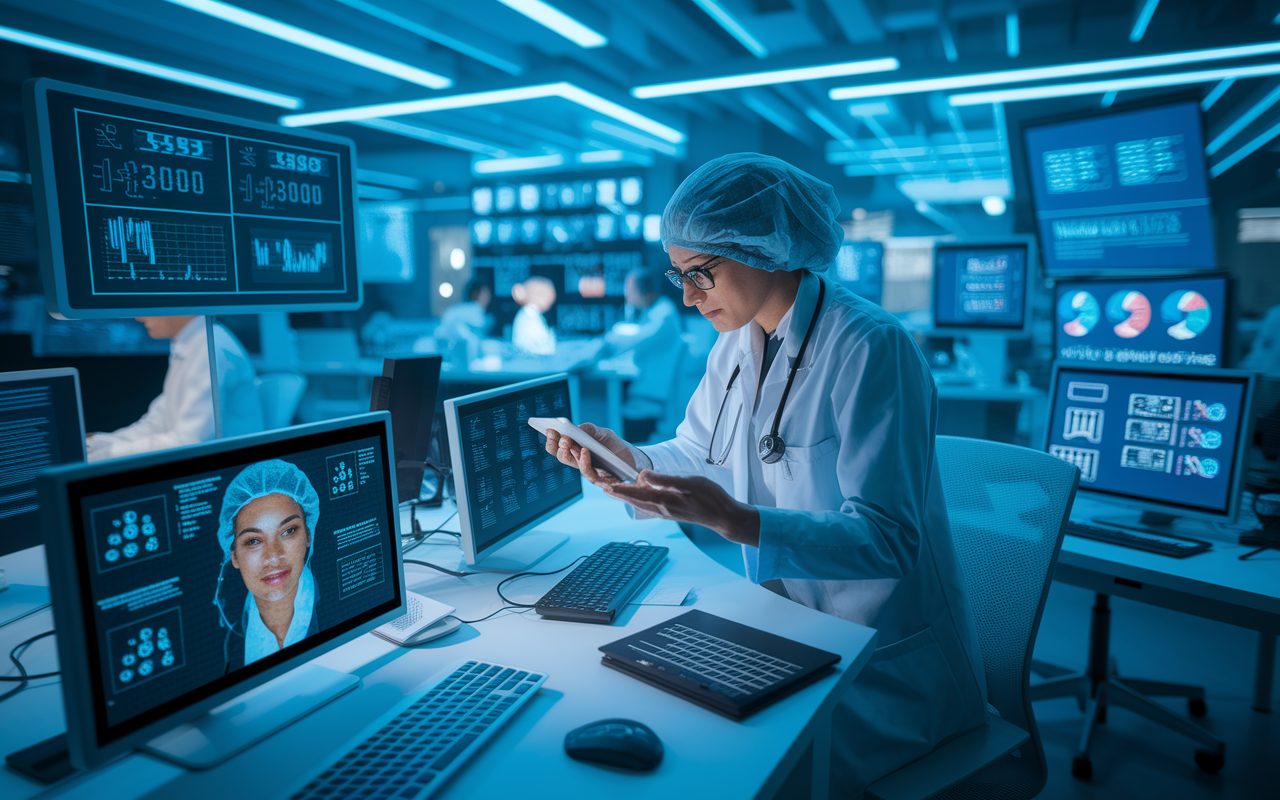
{"x": 706, "y": 755}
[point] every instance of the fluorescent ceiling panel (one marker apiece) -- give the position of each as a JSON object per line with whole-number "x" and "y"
{"x": 1216, "y": 94}
{"x": 1114, "y": 85}
{"x": 490, "y": 166}
{"x": 767, "y": 78}
{"x": 734, "y": 28}
{"x": 562, "y": 89}
{"x": 632, "y": 137}
{"x": 1012, "y": 34}
{"x": 1051, "y": 72}
{"x": 556, "y": 20}
{"x": 1144, "y": 18}
{"x": 314, "y": 41}
{"x": 148, "y": 68}
{"x": 1246, "y": 150}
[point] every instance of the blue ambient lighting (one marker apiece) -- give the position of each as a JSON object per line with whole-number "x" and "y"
{"x": 1144, "y": 18}
{"x": 1013, "y": 41}
{"x": 1115, "y": 85}
{"x": 734, "y": 28}
{"x": 435, "y": 137}
{"x": 556, "y": 20}
{"x": 767, "y": 78}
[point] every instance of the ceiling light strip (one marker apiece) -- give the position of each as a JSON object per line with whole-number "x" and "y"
{"x": 557, "y": 21}
{"x": 734, "y": 28}
{"x": 766, "y": 78}
{"x": 1244, "y": 152}
{"x": 1117, "y": 85}
{"x": 434, "y": 136}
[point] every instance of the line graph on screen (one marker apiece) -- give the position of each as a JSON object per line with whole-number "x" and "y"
{"x": 138, "y": 248}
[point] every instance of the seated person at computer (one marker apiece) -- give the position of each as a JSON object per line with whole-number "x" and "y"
{"x": 467, "y": 322}
{"x": 848, "y": 511}
{"x": 530, "y": 332}
{"x": 183, "y": 413}
{"x": 269, "y": 513}
{"x": 652, "y": 334}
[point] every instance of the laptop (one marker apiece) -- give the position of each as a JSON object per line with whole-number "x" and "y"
{"x": 731, "y": 669}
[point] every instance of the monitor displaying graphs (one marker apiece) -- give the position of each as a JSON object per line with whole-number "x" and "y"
{"x": 1174, "y": 321}
{"x": 150, "y": 209}
{"x": 1123, "y": 192}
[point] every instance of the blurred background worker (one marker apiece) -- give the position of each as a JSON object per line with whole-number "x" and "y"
{"x": 651, "y": 334}
{"x": 183, "y": 413}
{"x": 465, "y": 324}
{"x": 530, "y": 332}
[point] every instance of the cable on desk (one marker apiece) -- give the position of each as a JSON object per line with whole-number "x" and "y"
{"x": 421, "y": 536}
{"x": 505, "y": 581}
{"x": 439, "y": 568}
{"x": 487, "y": 616}
{"x": 23, "y": 679}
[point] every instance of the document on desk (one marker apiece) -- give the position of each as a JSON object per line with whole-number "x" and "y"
{"x": 665, "y": 594}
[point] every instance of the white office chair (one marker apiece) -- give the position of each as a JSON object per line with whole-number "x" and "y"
{"x": 1008, "y": 507}
{"x": 279, "y": 393}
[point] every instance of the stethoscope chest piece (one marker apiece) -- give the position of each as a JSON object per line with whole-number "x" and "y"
{"x": 771, "y": 448}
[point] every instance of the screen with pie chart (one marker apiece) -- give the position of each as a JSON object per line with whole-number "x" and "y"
{"x": 1159, "y": 321}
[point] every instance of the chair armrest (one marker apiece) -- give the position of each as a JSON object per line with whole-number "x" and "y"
{"x": 950, "y": 763}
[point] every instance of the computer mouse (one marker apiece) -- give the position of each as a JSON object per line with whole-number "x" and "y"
{"x": 617, "y": 742}
{"x": 442, "y": 627}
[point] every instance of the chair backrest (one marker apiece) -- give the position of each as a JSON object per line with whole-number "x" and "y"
{"x": 1008, "y": 508}
{"x": 279, "y": 393}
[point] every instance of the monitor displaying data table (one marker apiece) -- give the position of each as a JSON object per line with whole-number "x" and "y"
{"x": 1156, "y": 321}
{"x": 1169, "y": 439}
{"x": 981, "y": 286}
{"x": 1122, "y": 192}
{"x": 151, "y": 209}
{"x": 860, "y": 268}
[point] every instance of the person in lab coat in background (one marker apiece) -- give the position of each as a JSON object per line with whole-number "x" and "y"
{"x": 847, "y": 510}
{"x": 530, "y": 332}
{"x": 651, "y": 333}
{"x": 183, "y": 413}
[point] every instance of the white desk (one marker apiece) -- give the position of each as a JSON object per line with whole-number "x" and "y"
{"x": 706, "y": 755}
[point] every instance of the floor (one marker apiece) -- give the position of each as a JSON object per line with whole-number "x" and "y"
{"x": 1132, "y": 758}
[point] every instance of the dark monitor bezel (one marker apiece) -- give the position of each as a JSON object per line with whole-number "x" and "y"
{"x": 422, "y": 442}
{"x": 953, "y": 328}
{"x": 454, "y": 409}
{"x": 44, "y": 183}
{"x": 23, "y": 531}
{"x": 90, "y": 739}
{"x": 1229, "y": 300}
{"x": 1239, "y": 458}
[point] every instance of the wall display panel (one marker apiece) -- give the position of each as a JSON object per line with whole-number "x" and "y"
{"x": 147, "y": 209}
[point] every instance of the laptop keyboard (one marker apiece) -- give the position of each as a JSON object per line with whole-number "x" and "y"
{"x": 739, "y": 671}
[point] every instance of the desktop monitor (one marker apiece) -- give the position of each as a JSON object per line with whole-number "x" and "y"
{"x": 507, "y": 483}
{"x": 41, "y": 425}
{"x": 407, "y": 389}
{"x": 1155, "y": 321}
{"x": 147, "y": 208}
{"x": 860, "y": 268}
{"x": 158, "y": 562}
{"x": 1170, "y": 441}
{"x": 1122, "y": 191}
{"x": 981, "y": 286}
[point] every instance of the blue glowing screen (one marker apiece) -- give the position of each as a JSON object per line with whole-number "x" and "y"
{"x": 860, "y": 267}
{"x": 980, "y": 286}
{"x": 1123, "y": 192}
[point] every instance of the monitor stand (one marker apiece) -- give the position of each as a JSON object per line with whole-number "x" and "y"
{"x": 21, "y": 600}
{"x": 246, "y": 720}
{"x": 990, "y": 354}
{"x": 1147, "y": 522}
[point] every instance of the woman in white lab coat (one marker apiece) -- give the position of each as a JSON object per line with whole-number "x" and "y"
{"x": 838, "y": 495}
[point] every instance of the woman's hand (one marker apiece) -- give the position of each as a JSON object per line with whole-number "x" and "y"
{"x": 571, "y": 454}
{"x": 694, "y": 499}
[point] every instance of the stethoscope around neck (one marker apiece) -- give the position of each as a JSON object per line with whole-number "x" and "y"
{"x": 771, "y": 446}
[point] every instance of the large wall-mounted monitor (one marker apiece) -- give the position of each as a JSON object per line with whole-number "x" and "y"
{"x": 860, "y": 268}
{"x": 147, "y": 208}
{"x": 981, "y": 286}
{"x": 1122, "y": 192}
{"x": 1143, "y": 321}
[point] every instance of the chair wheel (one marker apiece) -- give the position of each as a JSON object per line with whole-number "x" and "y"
{"x": 1082, "y": 767}
{"x": 1209, "y": 761}
{"x": 1197, "y": 707}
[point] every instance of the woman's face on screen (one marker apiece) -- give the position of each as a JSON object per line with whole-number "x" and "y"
{"x": 270, "y": 546}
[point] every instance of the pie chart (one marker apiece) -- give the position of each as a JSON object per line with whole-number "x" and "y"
{"x": 1130, "y": 311}
{"x": 1078, "y": 312}
{"x": 1188, "y": 312}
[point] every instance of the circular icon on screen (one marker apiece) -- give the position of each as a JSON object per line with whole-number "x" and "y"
{"x": 1209, "y": 467}
{"x": 1210, "y": 440}
{"x": 1187, "y": 313}
{"x": 1130, "y": 311}
{"x": 1078, "y": 312}
{"x": 1216, "y": 412}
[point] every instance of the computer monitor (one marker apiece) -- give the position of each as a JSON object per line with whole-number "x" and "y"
{"x": 860, "y": 268}
{"x": 1170, "y": 441}
{"x": 41, "y": 425}
{"x": 981, "y": 286}
{"x": 407, "y": 389}
{"x": 158, "y": 564}
{"x": 147, "y": 208}
{"x": 1122, "y": 192}
{"x": 506, "y": 481}
{"x": 1156, "y": 321}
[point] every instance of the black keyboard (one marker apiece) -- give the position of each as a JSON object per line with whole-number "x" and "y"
{"x": 603, "y": 584}
{"x": 1162, "y": 543}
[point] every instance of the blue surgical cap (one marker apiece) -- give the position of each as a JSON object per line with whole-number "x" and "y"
{"x": 758, "y": 210}
{"x": 260, "y": 480}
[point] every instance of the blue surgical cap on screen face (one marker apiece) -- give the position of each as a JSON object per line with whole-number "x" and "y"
{"x": 758, "y": 210}
{"x": 260, "y": 480}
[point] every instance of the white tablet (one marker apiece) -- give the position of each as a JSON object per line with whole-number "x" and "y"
{"x": 601, "y": 456}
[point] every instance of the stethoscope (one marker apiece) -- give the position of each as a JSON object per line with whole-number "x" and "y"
{"x": 771, "y": 446}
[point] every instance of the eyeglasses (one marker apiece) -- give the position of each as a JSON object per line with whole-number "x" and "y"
{"x": 700, "y": 277}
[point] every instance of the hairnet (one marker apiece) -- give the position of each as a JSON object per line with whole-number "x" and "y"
{"x": 758, "y": 210}
{"x": 260, "y": 480}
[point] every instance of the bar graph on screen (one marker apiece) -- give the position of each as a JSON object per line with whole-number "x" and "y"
{"x": 138, "y": 248}
{"x": 291, "y": 253}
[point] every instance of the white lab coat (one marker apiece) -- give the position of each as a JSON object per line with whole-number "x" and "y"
{"x": 654, "y": 340}
{"x": 856, "y": 526}
{"x": 531, "y": 334}
{"x": 183, "y": 413}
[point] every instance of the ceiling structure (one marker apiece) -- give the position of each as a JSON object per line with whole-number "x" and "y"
{"x": 911, "y": 95}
